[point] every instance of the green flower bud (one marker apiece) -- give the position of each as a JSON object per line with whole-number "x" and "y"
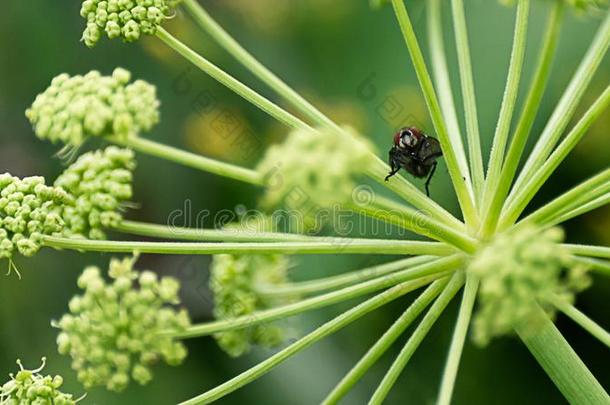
{"x": 30, "y": 387}
{"x": 101, "y": 183}
{"x": 517, "y": 270}
{"x": 113, "y": 330}
{"x": 74, "y": 108}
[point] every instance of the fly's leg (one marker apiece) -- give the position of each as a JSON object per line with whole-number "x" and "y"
{"x": 430, "y": 178}
{"x": 394, "y": 165}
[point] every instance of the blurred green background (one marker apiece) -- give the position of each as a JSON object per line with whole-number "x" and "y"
{"x": 350, "y": 61}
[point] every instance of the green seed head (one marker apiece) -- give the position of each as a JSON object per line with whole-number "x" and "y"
{"x": 75, "y": 108}
{"x": 113, "y": 330}
{"x": 101, "y": 184}
{"x": 127, "y": 19}
{"x": 517, "y": 271}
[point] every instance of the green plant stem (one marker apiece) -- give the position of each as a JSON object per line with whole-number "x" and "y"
{"x": 427, "y": 273}
{"x": 458, "y": 340}
{"x": 581, "y": 319}
{"x": 323, "y": 331}
{"x": 567, "y": 105}
{"x": 192, "y": 248}
{"x": 189, "y": 159}
{"x": 443, "y": 87}
{"x": 601, "y": 266}
{"x": 562, "y": 364}
{"x": 229, "y": 81}
{"x": 209, "y": 25}
{"x": 384, "y": 343}
{"x": 588, "y": 250}
{"x": 435, "y": 311}
{"x": 390, "y": 212}
{"x": 468, "y": 93}
{"x": 459, "y": 184}
{"x": 522, "y": 198}
{"x": 585, "y": 192}
{"x": 580, "y": 210}
{"x": 302, "y": 288}
{"x": 499, "y": 190}
{"x": 496, "y": 158}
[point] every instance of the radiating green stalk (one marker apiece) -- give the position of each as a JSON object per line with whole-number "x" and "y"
{"x": 229, "y": 81}
{"x": 443, "y": 87}
{"x": 500, "y": 190}
{"x": 319, "y": 285}
{"x": 567, "y": 105}
{"x": 458, "y": 340}
{"x": 384, "y": 343}
{"x": 208, "y": 24}
{"x": 601, "y": 201}
{"x": 529, "y": 189}
{"x": 427, "y": 272}
{"x": 470, "y": 101}
{"x": 562, "y": 364}
{"x": 323, "y": 331}
{"x": 189, "y": 159}
{"x": 585, "y": 192}
{"x": 456, "y": 282}
{"x": 415, "y": 221}
{"x": 581, "y": 319}
{"x": 601, "y": 266}
{"x": 588, "y": 250}
{"x": 496, "y": 158}
{"x": 459, "y": 184}
{"x": 340, "y": 246}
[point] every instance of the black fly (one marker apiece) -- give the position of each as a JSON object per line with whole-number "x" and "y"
{"x": 415, "y": 152}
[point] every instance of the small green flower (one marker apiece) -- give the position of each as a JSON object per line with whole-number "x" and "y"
{"x": 113, "y": 330}
{"x": 313, "y": 170}
{"x": 128, "y": 19}
{"x": 75, "y": 108}
{"x": 518, "y": 270}
{"x": 29, "y": 209}
{"x": 101, "y": 184}
{"x": 30, "y": 387}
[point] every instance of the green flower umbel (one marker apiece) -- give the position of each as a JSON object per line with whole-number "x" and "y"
{"x": 236, "y": 282}
{"x": 29, "y": 209}
{"x": 114, "y": 330}
{"x": 101, "y": 184}
{"x": 30, "y": 387}
{"x": 75, "y": 108}
{"x": 517, "y": 271}
{"x": 128, "y": 19}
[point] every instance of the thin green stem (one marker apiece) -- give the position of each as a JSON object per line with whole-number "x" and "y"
{"x": 567, "y": 105}
{"x": 601, "y": 266}
{"x": 323, "y": 331}
{"x": 384, "y": 343}
{"x": 319, "y": 285}
{"x": 581, "y": 319}
{"x": 500, "y": 190}
{"x": 496, "y": 158}
{"x": 458, "y": 340}
{"x": 229, "y": 81}
{"x": 602, "y": 252}
{"x": 427, "y": 272}
{"x": 416, "y": 221}
{"x": 189, "y": 159}
{"x": 464, "y": 197}
{"x": 562, "y": 364}
{"x": 435, "y": 311}
{"x": 443, "y": 87}
{"x": 522, "y": 198}
{"x": 209, "y": 25}
{"x": 468, "y": 93}
{"x": 601, "y": 201}
{"x": 340, "y": 246}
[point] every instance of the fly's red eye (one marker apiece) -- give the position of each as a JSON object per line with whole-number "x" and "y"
{"x": 397, "y": 137}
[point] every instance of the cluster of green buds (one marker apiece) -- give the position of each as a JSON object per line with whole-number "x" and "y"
{"x": 101, "y": 184}
{"x": 30, "y": 387}
{"x": 128, "y": 19}
{"x": 115, "y": 331}
{"x": 74, "y": 108}
{"x": 29, "y": 209}
{"x": 314, "y": 170}
{"x": 518, "y": 270}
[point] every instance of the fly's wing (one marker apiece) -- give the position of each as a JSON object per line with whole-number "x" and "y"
{"x": 430, "y": 150}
